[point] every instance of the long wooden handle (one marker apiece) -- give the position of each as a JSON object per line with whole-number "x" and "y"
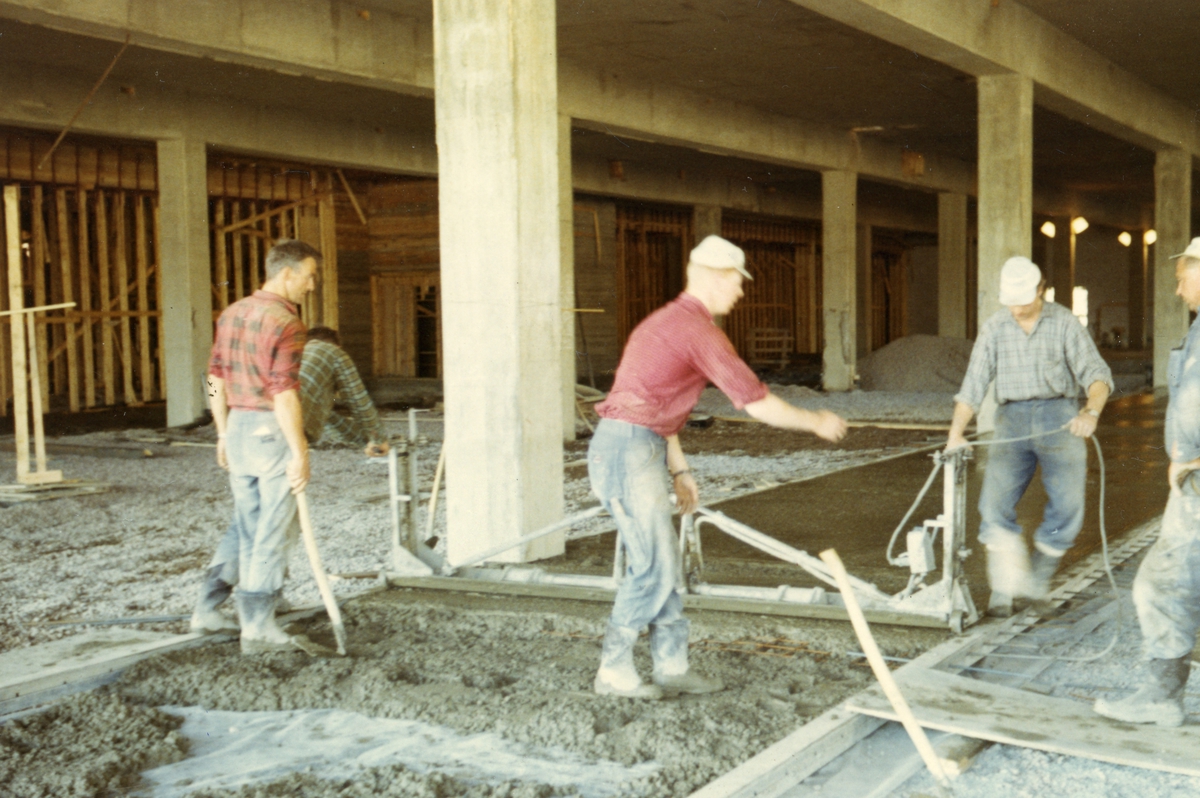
{"x": 314, "y": 560}
{"x": 880, "y": 668}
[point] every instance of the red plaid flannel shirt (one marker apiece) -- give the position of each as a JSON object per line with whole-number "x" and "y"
{"x": 669, "y": 359}
{"x": 257, "y": 352}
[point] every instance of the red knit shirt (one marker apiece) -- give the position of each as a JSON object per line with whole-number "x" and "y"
{"x": 257, "y": 352}
{"x": 670, "y": 358}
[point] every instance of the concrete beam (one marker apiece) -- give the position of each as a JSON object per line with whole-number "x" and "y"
{"x": 186, "y": 282}
{"x": 325, "y": 39}
{"x": 498, "y": 190}
{"x": 987, "y": 38}
{"x": 671, "y": 116}
{"x": 1173, "y": 222}
{"x": 839, "y": 241}
{"x": 43, "y": 98}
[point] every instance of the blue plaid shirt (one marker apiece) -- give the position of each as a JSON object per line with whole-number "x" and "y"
{"x": 1058, "y": 358}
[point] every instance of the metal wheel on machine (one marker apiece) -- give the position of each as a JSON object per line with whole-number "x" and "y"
{"x": 956, "y": 622}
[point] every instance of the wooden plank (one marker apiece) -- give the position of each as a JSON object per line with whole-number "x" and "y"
{"x": 1007, "y": 715}
{"x": 256, "y": 243}
{"x": 85, "y": 302}
{"x": 39, "y": 434}
{"x": 107, "y": 338}
{"x": 162, "y": 363}
{"x": 220, "y": 255}
{"x": 327, "y": 219}
{"x": 56, "y": 362}
{"x": 38, "y": 274}
{"x": 68, "y": 295}
{"x": 121, "y": 264}
{"x": 16, "y": 301}
{"x": 142, "y": 244}
{"x": 239, "y": 282}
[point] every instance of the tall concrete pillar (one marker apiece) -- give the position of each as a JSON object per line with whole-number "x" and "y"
{"x": 864, "y": 248}
{"x": 1062, "y": 261}
{"x": 1005, "y": 180}
{"x": 186, "y": 275}
{"x": 1136, "y": 334}
{"x": 952, "y": 265}
{"x": 566, "y": 239}
{"x": 1173, "y": 221}
{"x": 839, "y": 243}
{"x": 495, "y": 78}
{"x": 706, "y": 221}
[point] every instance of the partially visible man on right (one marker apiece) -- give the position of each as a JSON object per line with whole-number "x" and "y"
{"x": 1166, "y": 590}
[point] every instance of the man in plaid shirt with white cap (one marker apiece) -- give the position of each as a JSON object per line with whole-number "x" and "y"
{"x": 1039, "y": 356}
{"x": 669, "y": 359}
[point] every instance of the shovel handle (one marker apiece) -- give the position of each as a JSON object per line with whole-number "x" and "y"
{"x": 314, "y": 560}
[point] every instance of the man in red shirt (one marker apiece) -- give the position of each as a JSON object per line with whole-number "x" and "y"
{"x": 254, "y": 390}
{"x": 669, "y": 359}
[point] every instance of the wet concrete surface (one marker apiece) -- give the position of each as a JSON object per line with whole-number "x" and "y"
{"x": 855, "y": 511}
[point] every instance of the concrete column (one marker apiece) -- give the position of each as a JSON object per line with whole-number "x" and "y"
{"x": 864, "y": 247}
{"x": 952, "y": 265}
{"x": 501, "y": 259}
{"x": 706, "y": 221}
{"x": 1005, "y": 180}
{"x": 1136, "y": 334}
{"x": 566, "y": 239}
{"x": 839, "y": 201}
{"x": 1173, "y": 221}
{"x": 186, "y": 275}
{"x": 1061, "y": 274}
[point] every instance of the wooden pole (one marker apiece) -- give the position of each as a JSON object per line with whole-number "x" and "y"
{"x": 314, "y": 560}
{"x": 145, "y": 375}
{"x": 16, "y": 301}
{"x": 107, "y": 336}
{"x": 68, "y": 295}
{"x": 120, "y": 231}
{"x": 38, "y": 262}
{"x": 880, "y": 668}
{"x": 85, "y": 302}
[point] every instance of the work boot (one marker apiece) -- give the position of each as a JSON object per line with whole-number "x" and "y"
{"x": 669, "y": 648}
{"x": 690, "y": 682}
{"x": 1042, "y": 567}
{"x": 1008, "y": 574}
{"x": 260, "y": 631}
{"x": 206, "y": 618}
{"x": 617, "y": 674}
{"x": 1159, "y": 700}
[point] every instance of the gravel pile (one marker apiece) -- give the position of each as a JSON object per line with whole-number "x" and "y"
{"x": 918, "y": 363}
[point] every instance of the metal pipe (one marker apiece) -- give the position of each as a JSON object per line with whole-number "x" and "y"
{"x": 521, "y": 541}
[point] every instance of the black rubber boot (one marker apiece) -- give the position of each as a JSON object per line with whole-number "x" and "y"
{"x": 1159, "y": 700}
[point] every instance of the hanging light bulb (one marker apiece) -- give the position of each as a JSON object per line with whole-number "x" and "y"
{"x": 1048, "y": 229}
{"x": 1125, "y": 239}
{"x": 1150, "y": 236}
{"x": 1078, "y": 225}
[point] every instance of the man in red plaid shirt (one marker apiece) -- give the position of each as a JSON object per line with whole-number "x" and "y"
{"x": 254, "y": 390}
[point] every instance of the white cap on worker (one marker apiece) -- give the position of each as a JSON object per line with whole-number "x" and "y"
{"x": 717, "y": 253}
{"x": 1019, "y": 279}
{"x": 1193, "y": 250}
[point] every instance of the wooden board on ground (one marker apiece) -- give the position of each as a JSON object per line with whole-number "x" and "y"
{"x": 1006, "y": 715}
{"x": 15, "y": 494}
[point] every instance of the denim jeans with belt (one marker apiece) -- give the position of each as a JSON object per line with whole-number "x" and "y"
{"x": 1010, "y": 467}
{"x": 627, "y": 467}
{"x": 264, "y": 509}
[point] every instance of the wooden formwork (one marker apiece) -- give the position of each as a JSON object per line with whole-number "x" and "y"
{"x": 889, "y": 294}
{"x": 98, "y": 248}
{"x": 653, "y": 243}
{"x": 783, "y": 301}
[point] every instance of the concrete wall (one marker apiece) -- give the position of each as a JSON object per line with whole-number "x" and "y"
{"x": 923, "y": 290}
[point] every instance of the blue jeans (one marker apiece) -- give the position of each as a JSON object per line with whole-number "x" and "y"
{"x": 1166, "y": 591}
{"x": 1010, "y": 468}
{"x": 264, "y": 509}
{"x": 627, "y": 467}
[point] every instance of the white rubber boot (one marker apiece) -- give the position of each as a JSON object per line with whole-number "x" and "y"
{"x": 1159, "y": 700}
{"x": 617, "y": 674}
{"x": 669, "y": 648}
{"x": 1008, "y": 574}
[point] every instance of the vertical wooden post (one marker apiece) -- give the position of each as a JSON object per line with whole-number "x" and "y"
{"x": 35, "y": 394}
{"x": 16, "y": 301}
{"x": 85, "y": 302}
{"x": 107, "y": 339}
{"x": 38, "y": 264}
{"x": 329, "y": 268}
{"x": 239, "y": 281}
{"x": 122, "y": 263}
{"x": 255, "y": 245}
{"x": 222, "y": 276}
{"x": 68, "y": 295}
{"x": 158, "y": 319}
{"x": 143, "y": 299}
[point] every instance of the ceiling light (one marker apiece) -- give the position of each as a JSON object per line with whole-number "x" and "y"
{"x": 1125, "y": 239}
{"x": 1048, "y": 229}
{"x": 1150, "y": 236}
{"x": 1078, "y": 225}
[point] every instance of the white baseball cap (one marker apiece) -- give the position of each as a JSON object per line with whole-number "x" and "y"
{"x": 1192, "y": 251}
{"x": 1019, "y": 280}
{"x": 717, "y": 253}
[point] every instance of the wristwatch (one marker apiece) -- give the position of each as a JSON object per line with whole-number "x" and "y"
{"x": 1091, "y": 412}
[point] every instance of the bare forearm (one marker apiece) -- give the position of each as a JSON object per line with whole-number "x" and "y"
{"x": 291, "y": 421}
{"x": 676, "y": 462}
{"x": 1097, "y": 396}
{"x": 218, "y": 403}
{"x": 778, "y": 413}
{"x": 963, "y": 413}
